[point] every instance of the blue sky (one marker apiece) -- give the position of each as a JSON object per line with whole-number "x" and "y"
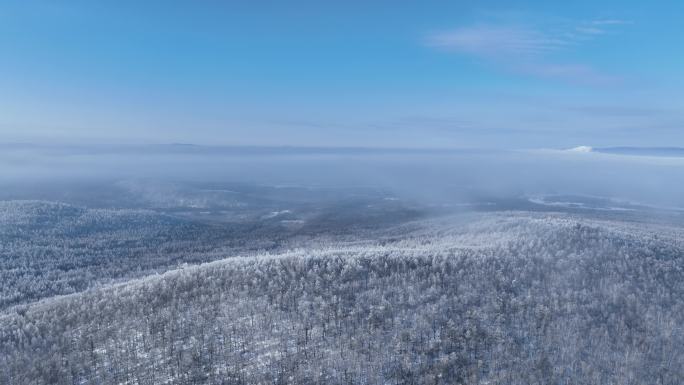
{"x": 492, "y": 74}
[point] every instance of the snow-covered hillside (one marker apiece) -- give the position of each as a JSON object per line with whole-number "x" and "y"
{"x": 512, "y": 298}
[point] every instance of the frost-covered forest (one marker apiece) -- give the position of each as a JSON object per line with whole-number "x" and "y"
{"x": 51, "y": 249}
{"x": 489, "y": 298}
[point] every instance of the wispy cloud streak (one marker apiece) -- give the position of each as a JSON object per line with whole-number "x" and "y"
{"x": 495, "y": 41}
{"x": 525, "y": 49}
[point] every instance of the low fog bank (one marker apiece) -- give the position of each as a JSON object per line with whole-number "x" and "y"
{"x": 429, "y": 176}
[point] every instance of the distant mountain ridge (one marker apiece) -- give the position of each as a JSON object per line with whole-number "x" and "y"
{"x": 242, "y": 150}
{"x": 232, "y": 150}
{"x": 642, "y": 151}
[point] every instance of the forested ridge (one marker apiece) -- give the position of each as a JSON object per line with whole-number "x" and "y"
{"x": 508, "y": 299}
{"x": 50, "y": 248}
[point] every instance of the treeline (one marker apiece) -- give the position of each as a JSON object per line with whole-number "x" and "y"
{"x": 547, "y": 302}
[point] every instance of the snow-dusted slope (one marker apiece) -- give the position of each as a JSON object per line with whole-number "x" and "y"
{"x": 49, "y": 249}
{"x": 501, "y": 298}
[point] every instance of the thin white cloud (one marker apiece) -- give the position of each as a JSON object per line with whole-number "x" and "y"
{"x": 600, "y": 26}
{"x": 610, "y": 22}
{"x": 495, "y": 40}
{"x": 526, "y": 49}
